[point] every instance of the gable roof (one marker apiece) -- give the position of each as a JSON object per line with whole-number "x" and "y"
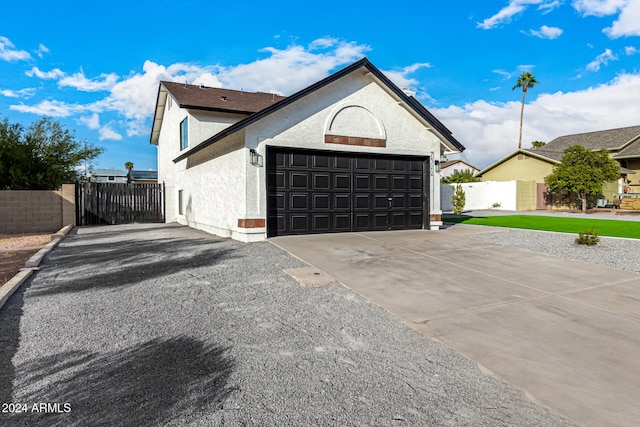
{"x": 409, "y": 101}
{"x": 453, "y": 162}
{"x": 632, "y": 150}
{"x": 531, "y": 153}
{"x": 610, "y": 140}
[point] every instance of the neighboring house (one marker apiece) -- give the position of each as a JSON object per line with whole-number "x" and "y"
{"x": 452, "y": 166}
{"x": 108, "y": 175}
{"x": 623, "y": 144}
{"x": 351, "y": 152}
{"x": 142, "y": 177}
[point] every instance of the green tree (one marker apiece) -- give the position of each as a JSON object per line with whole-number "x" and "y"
{"x": 525, "y": 81}
{"x": 459, "y": 177}
{"x": 128, "y": 165}
{"x": 583, "y": 173}
{"x": 538, "y": 144}
{"x": 41, "y": 157}
{"x": 458, "y": 200}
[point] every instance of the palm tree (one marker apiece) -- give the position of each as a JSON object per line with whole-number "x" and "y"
{"x": 128, "y": 165}
{"x": 525, "y": 81}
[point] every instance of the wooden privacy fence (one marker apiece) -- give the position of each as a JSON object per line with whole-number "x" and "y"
{"x": 111, "y": 203}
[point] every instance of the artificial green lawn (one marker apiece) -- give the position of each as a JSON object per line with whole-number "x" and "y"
{"x": 605, "y": 227}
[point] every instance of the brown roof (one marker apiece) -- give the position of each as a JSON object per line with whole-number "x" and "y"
{"x": 611, "y": 140}
{"x": 453, "y": 162}
{"x": 218, "y": 99}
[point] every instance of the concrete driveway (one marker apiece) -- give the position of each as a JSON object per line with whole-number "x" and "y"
{"x": 567, "y": 332}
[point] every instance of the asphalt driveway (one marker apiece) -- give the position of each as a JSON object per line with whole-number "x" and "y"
{"x": 164, "y": 325}
{"x": 567, "y": 332}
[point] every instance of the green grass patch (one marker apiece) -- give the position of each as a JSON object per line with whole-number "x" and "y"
{"x": 605, "y": 227}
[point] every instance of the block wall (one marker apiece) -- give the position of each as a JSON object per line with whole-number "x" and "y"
{"x": 24, "y": 211}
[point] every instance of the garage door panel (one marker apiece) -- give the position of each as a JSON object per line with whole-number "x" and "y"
{"x": 342, "y": 201}
{"x": 362, "y": 201}
{"x": 321, "y": 222}
{"x": 299, "y": 160}
{"x": 342, "y": 222}
{"x": 299, "y": 180}
{"x": 321, "y": 161}
{"x": 299, "y": 201}
{"x": 321, "y": 180}
{"x": 415, "y": 201}
{"x": 380, "y": 182}
{"x": 381, "y": 164}
{"x": 362, "y": 182}
{"x": 415, "y": 183}
{"x": 342, "y": 181}
{"x": 319, "y": 192}
{"x": 341, "y": 163}
{"x": 380, "y": 201}
{"x": 321, "y": 201}
{"x": 299, "y": 222}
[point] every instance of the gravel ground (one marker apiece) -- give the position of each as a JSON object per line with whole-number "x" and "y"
{"x": 610, "y": 252}
{"x": 165, "y": 325}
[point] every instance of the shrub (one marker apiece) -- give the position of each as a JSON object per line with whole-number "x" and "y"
{"x": 588, "y": 237}
{"x": 458, "y": 200}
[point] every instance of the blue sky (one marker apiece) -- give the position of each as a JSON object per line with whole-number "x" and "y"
{"x": 95, "y": 67}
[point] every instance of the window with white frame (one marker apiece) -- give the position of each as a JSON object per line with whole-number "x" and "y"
{"x": 184, "y": 134}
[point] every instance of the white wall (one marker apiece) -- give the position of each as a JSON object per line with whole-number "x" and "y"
{"x": 482, "y": 195}
{"x": 303, "y": 125}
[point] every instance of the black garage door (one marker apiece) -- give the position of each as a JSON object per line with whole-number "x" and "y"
{"x": 325, "y": 192}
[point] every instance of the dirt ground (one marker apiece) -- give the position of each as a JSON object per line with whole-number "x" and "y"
{"x": 16, "y": 250}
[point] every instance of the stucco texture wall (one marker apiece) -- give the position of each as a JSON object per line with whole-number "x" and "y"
{"x": 519, "y": 167}
{"x": 305, "y": 123}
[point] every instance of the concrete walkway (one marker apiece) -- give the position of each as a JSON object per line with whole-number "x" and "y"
{"x": 567, "y": 332}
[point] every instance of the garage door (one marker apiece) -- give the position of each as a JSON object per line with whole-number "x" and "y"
{"x": 328, "y": 192}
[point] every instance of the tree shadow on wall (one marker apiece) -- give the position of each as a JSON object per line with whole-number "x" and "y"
{"x": 153, "y": 383}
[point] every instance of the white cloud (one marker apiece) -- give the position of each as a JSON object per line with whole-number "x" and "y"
{"x": 489, "y": 131}
{"x": 628, "y": 22}
{"x": 42, "y": 49}
{"x": 547, "y": 32}
{"x": 81, "y": 83}
{"x": 401, "y": 78}
{"x": 46, "y": 75}
{"x": 133, "y": 97}
{"x": 515, "y": 7}
{"x": 22, "y": 93}
{"x": 107, "y": 133}
{"x": 8, "y": 53}
{"x": 598, "y": 7}
{"x": 630, "y": 50}
{"x": 52, "y": 108}
{"x": 288, "y": 70}
{"x": 602, "y": 59}
{"x": 92, "y": 122}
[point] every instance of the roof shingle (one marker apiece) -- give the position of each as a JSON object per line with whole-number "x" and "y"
{"x": 611, "y": 139}
{"x": 218, "y": 99}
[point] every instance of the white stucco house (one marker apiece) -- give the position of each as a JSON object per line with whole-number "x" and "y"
{"x": 351, "y": 152}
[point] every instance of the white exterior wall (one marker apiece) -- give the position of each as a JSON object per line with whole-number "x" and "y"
{"x": 482, "y": 195}
{"x": 220, "y": 186}
{"x": 203, "y": 191}
{"x": 303, "y": 125}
